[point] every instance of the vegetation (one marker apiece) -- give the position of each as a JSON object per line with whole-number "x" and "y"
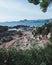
{"x": 28, "y": 57}
{"x": 51, "y": 38}
{"x": 43, "y": 3}
{"x": 3, "y": 56}
{"x": 38, "y": 30}
{"x": 51, "y": 34}
{"x": 42, "y": 30}
{"x": 49, "y": 26}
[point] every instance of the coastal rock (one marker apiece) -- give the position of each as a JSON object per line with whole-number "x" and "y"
{"x": 3, "y": 28}
{"x": 7, "y": 39}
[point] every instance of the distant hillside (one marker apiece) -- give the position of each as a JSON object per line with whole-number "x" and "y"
{"x": 26, "y": 22}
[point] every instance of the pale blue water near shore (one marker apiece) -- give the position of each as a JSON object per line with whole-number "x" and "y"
{"x": 26, "y": 23}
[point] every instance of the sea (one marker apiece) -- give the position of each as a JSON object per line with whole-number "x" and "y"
{"x": 25, "y": 23}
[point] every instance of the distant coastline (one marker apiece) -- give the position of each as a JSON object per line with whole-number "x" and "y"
{"x": 30, "y": 23}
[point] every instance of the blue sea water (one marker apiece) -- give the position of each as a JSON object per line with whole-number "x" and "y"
{"x": 26, "y": 23}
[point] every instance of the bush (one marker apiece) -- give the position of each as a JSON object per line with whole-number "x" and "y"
{"x": 15, "y": 57}
{"x": 28, "y": 57}
{"x": 51, "y": 38}
{"x": 12, "y": 57}
{"x": 3, "y": 56}
{"x": 37, "y": 31}
{"x": 51, "y": 34}
{"x": 48, "y": 54}
{"x": 42, "y": 63}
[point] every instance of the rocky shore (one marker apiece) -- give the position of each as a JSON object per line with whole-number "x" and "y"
{"x": 24, "y": 38}
{"x": 7, "y": 33}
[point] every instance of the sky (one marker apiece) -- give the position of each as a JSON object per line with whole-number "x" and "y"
{"x": 14, "y": 10}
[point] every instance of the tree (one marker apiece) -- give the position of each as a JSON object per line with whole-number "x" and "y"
{"x": 43, "y": 3}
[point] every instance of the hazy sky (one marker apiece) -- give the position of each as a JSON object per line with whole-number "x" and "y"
{"x": 11, "y": 10}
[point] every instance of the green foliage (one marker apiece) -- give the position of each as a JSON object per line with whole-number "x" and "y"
{"x": 28, "y": 57}
{"x": 48, "y": 54}
{"x": 42, "y": 63}
{"x": 49, "y": 26}
{"x": 51, "y": 37}
{"x": 37, "y": 31}
{"x": 31, "y": 57}
{"x": 3, "y": 56}
{"x": 12, "y": 56}
{"x": 43, "y": 3}
{"x": 34, "y": 1}
{"x": 42, "y": 30}
{"x": 51, "y": 34}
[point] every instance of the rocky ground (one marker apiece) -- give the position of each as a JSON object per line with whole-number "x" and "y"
{"x": 24, "y": 42}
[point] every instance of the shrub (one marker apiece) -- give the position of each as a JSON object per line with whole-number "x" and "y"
{"x": 51, "y": 34}
{"x": 42, "y": 63}
{"x": 3, "y": 56}
{"x": 28, "y": 57}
